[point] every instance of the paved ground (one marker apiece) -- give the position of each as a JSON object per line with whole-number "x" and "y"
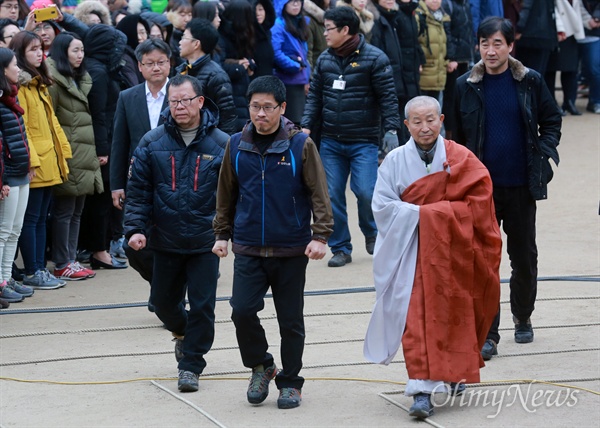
{"x": 115, "y": 367}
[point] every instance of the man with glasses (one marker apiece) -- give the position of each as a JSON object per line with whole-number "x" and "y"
{"x": 9, "y": 9}
{"x": 271, "y": 185}
{"x": 171, "y": 196}
{"x": 353, "y": 93}
{"x": 196, "y": 46}
{"x": 138, "y": 111}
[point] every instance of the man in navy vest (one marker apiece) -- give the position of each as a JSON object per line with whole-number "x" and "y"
{"x": 271, "y": 184}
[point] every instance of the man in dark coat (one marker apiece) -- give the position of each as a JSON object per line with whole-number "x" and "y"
{"x": 197, "y": 44}
{"x": 353, "y": 93}
{"x": 507, "y": 117}
{"x": 171, "y": 196}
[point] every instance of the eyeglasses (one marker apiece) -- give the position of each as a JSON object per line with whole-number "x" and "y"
{"x": 186, "y": 102}
{"x": 267, "y": 109}
{"x": 46, "y": 27}
{"x": 151, "y": 65}
{"x": 189, "y": 38}
{"x": 10, "y": 6}
{"x": 327, "y": 30}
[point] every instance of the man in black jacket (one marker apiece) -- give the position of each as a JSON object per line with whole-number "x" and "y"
{"x": 352, "y": 91}
{"x": 196, "y": 46}
{"x": 172, "y": 190}
{"x": 507, "y": 117}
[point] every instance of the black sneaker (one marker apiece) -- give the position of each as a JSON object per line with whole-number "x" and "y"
{"x": 188, "y": 381}
{"x": 339, "y": 259}
{"x": 489, "y": 350}
{"x": 370, "y": 244}
{"x": 422, "y": 407}
{"x": 258, "y": 390}
{"x": 523, "y": 331}
{"x": 289, "y": 398}
{"x": 178, "y": 348}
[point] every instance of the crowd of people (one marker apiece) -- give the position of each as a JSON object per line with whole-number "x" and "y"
{"x": 156, "y": 131}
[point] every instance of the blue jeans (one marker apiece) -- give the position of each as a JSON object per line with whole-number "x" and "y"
{"x": 590, "y": 62}
{"x": 340, "y": 160}
{"x": 32, "y": 241}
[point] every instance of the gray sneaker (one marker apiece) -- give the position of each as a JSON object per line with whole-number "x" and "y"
{"x": 18, "y": 288}
{"x": 43, "y": 280}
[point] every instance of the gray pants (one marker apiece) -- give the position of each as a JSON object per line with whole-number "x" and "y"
{"x": 66, "y": 218}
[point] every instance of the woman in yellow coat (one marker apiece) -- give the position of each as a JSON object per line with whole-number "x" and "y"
{"x": 49, "y": 151}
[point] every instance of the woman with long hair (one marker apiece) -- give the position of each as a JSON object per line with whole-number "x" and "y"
{"x": 15, "y": 167}
{"x": 208, "y": 10}
{"x": 289, "y": 37}
{"x": 49, "y": 151}
{"x": 72, "y": 83}
{"x": 237, "y": 53}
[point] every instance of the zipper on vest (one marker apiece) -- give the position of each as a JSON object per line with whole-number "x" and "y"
{"x": 262, "y": 167}
{"x": 172, "y": 171}
{"x": 196, "y": 173}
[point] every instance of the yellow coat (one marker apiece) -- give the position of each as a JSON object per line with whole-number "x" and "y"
{"x": 48, "y": 144}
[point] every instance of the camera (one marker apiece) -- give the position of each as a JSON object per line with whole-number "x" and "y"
{"x": 45, "y": 14}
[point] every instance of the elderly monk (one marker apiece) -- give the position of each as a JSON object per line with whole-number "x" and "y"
{"x": 436, "y": 261}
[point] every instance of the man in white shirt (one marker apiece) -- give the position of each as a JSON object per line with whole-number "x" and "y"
{"x": 138, "y": 111}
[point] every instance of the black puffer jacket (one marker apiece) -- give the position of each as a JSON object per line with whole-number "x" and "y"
{"x": 15, "y": 145}
{"x": 217, "y": 87}
{"x": 384, "y": 36}
{"x": 173, "y": 187}
{"x": 540, "y": 116}
{"x": 366, "y": 105}
{"x": 412, "y": 53}
{"x": 460, "y": 43}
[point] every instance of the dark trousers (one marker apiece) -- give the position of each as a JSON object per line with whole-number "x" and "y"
{"x": 252, "y": 277}
{"x": 515, "y": 212}
{"x": 94, "y": 221}
{"x": 66, "y": 218}
{"x": 142, "y": 261}
{"x": 534, "y": 58}
{"x": 173, "y": 273}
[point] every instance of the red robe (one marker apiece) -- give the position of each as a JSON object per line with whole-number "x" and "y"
{"x": 456, "y": 290}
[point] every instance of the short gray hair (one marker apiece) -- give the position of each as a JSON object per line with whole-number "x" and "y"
{"x": 422, "y": 100}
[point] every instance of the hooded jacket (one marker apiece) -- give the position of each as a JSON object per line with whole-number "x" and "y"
{"x": 263, "y": 49}
{"x": 104, "y": 46}
{"x": 287, "y": 49}
{"x": 83, "y": 10}
{"x": 49, "y": 148}
{"x": 73, "y": 113}
{"x": 172, "y": 186}
{"x": 539, "y": 112}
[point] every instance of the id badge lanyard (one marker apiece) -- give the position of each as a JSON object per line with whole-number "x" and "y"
{"x": 339, "y": 83}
